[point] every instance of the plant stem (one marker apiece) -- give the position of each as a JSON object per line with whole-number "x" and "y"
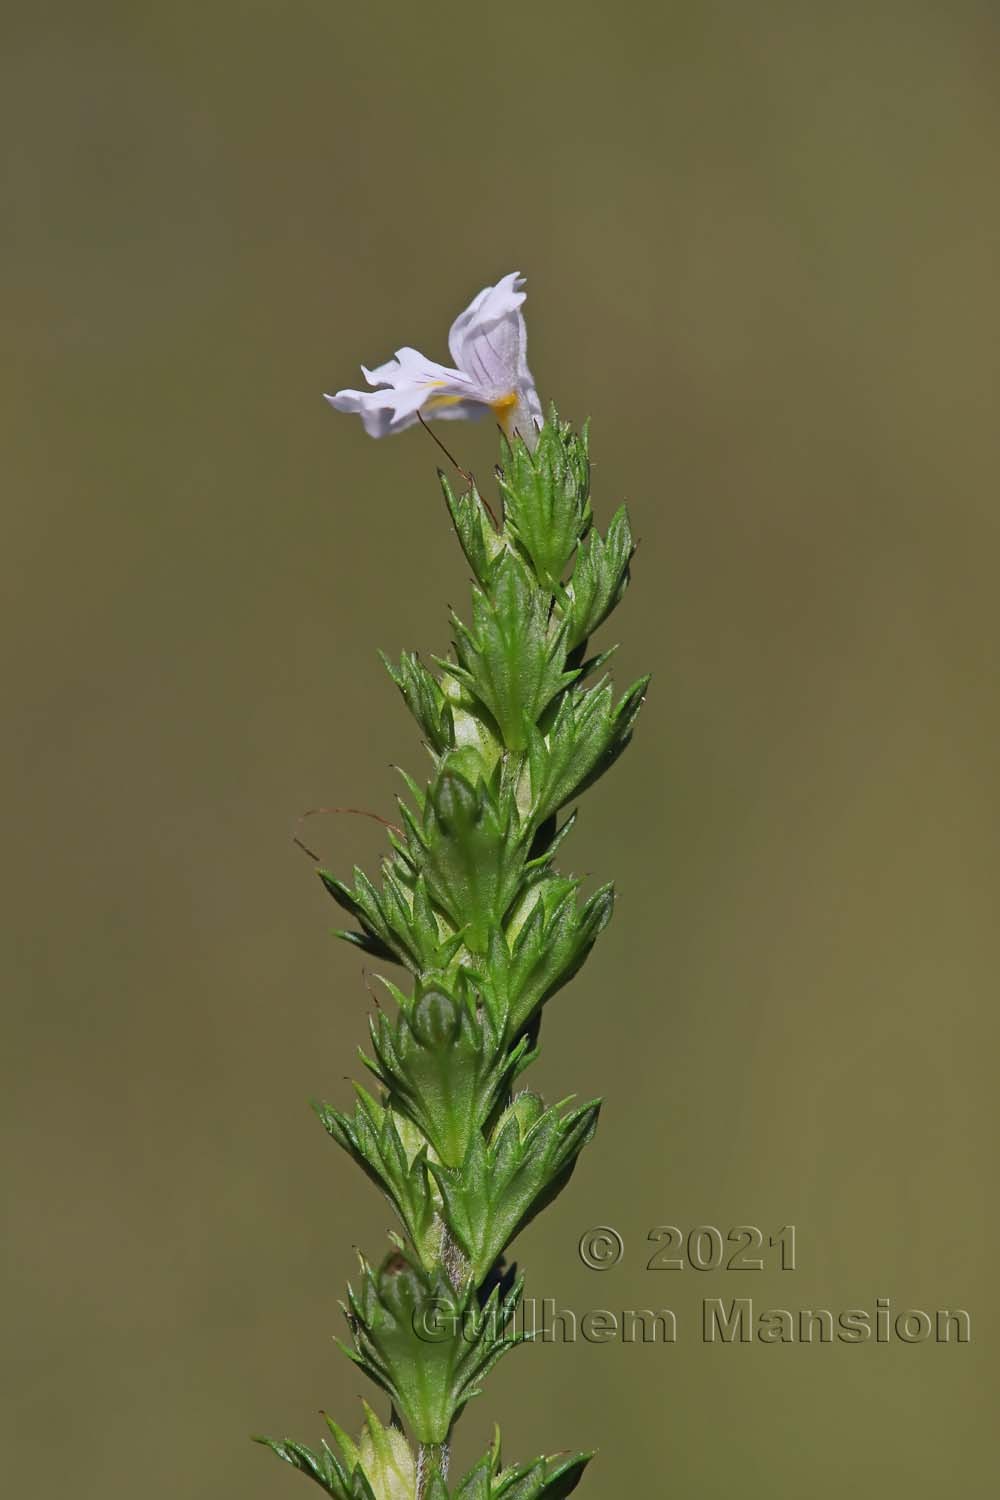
{"x": 426, "y": 1456}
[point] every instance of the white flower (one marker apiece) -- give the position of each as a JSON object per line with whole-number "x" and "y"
{"x": 488, "y": 343}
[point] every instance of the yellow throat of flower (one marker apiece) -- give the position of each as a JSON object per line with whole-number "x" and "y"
{"x": 503, "y": 410}
{"x": 434, "y": 403}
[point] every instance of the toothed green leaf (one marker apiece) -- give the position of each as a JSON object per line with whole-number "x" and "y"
{"x": 599, "y": 579}
{"x": 512, "y": 658}
{"x": 546, "y": 493}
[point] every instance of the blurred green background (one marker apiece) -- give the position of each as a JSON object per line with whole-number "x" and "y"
{"x": 761, "y": 243}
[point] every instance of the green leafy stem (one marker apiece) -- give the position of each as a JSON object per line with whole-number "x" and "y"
{"x": 518, "y": 720}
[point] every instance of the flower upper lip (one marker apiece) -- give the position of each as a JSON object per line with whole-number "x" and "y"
{"x": 488, "y": 343}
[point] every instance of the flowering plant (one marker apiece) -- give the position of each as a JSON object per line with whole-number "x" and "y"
{"x": 519, "y": 720}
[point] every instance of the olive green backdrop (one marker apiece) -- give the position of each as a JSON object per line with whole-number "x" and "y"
{"x": 761, "y": 242}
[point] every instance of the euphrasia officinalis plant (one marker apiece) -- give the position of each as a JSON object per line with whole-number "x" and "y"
{"x": 483, "y": 929}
